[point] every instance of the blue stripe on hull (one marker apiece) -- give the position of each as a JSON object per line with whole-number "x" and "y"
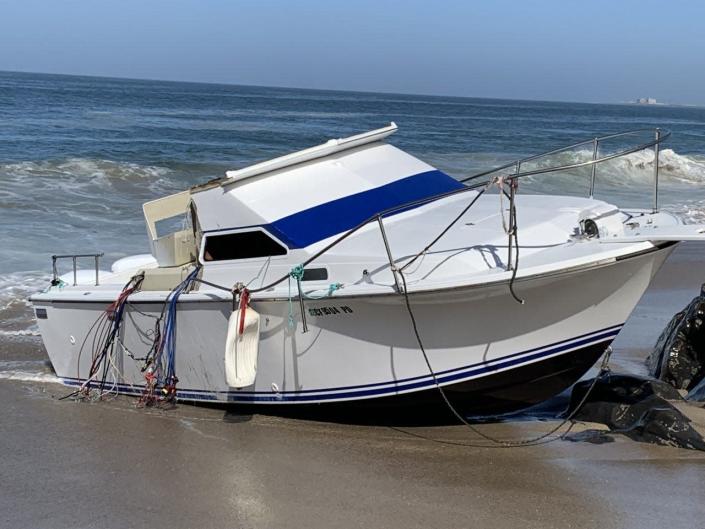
{"x": 325, "y": 220}
{"x": 386, "y": 388}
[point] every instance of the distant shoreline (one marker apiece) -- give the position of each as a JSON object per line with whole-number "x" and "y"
{"x": 340, "y": 91}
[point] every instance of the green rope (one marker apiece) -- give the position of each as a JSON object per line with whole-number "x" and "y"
{"x": 61, "y": 284}
{"x": 296, "y": 273}
{"x": 331, "y": 288}
{"x": 292, "y": 323}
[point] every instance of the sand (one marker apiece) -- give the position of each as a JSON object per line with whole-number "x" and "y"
{"x": 109, "y": 465}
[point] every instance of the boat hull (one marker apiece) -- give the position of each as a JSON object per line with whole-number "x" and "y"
{"x": 491, "y": 353}
{"x": 494, "y": 394}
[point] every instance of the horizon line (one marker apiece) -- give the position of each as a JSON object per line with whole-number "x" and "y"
{"x": 282, "y": 87}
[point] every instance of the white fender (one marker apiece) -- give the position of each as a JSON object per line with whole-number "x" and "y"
{"x": 85, "y": 277}
{"x": 241, "y": 350}
{"x": 134, "y": 262}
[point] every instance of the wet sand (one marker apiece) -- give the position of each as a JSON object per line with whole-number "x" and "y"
{"x": 71, "y": 465}
{"x": 109, "y": 465}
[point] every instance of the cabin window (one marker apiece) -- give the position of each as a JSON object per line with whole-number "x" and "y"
{"x": 241, "y": 245}
{"x": 315, "y": 274}
{"x": 169, "y": 225}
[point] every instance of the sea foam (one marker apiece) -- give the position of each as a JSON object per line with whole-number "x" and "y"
{"x": 28, "y": 376}
{"x": 630, "y": 168}
{"x": 16, "y": 315}
{"x": 83, "y": 172}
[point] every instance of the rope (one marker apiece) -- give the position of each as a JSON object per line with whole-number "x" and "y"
{"x": 445, "y": 230}
{"x": 332, "y": 288}
{"x": 506, "y": 226}
{"x": 291, "y": 321}
{"x": 497, "y": 443}
{"x": 105, "y": 331}
{"x": 58, "y": 282}
{"x": 160, "y": 365}
{"x": 297, "y": 273}
{"x": 244, "y": 302}
{"x": 513, "y": 236}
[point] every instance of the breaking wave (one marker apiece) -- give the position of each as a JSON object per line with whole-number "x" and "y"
{"x": 28, "y": 371}
{"x": 21, "y": 332}
{"x": 635, "y": 167}
{"x": 626, "y": 181}
{"x": 82, "y": 172}
{"x": 671, "y": 164}
{"x": 632, "y": 168}
{"x": 29, "y": 376}
{"x": 16, "y": 315}
{"x": 80, "y": 205}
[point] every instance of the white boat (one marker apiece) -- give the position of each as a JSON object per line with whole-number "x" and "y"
{"x": 366, "y": 274}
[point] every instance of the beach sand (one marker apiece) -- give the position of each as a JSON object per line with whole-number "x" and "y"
{"x": 110, "y": 465}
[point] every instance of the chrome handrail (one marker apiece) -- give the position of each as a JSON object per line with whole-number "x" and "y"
{"x": 74, "y": 257}
{"x": 660, "y": 135}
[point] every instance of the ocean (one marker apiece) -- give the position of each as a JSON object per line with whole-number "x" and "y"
{"x": 79, "y": 156}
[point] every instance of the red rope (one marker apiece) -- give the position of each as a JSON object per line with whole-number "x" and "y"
{"x": 244, "y": 302}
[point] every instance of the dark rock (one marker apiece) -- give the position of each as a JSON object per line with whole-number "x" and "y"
{"x": 637, "y": 407}
{"x": 679, "y": 355}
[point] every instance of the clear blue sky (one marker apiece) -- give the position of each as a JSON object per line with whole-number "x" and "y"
{"x": 553, "y": 49}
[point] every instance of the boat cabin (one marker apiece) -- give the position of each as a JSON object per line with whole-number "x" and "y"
{"x": 289, "y": 207}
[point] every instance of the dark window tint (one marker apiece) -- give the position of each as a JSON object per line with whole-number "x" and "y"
{"x": 315, "y": 274}
{"x": 244, "y": 245}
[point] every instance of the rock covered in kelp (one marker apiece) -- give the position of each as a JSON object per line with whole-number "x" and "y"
{"x": 637, "y": 407}
{"x": 679, "y": 355}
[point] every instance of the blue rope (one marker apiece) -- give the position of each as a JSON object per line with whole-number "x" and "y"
{"x": 165, "y": 357}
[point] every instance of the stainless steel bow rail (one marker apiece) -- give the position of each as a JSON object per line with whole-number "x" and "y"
{"x": 74, "y": 257}
{"x": 486, "y": 179}
{"x": 659, "y": 135}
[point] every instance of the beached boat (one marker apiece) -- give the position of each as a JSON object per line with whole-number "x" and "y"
{"x": 354, "y": 271}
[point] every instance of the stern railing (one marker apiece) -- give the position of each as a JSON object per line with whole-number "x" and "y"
{"x": 75, "y": 257}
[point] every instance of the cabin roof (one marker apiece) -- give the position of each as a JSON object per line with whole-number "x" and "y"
{"x": 308, "y": 196}
{"x": 332, "y": 146}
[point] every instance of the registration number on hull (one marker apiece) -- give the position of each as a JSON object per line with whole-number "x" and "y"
{"x": 330, "y": 310}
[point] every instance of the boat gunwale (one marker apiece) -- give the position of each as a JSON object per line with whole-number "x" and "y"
{"x": 215, "y": 297}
